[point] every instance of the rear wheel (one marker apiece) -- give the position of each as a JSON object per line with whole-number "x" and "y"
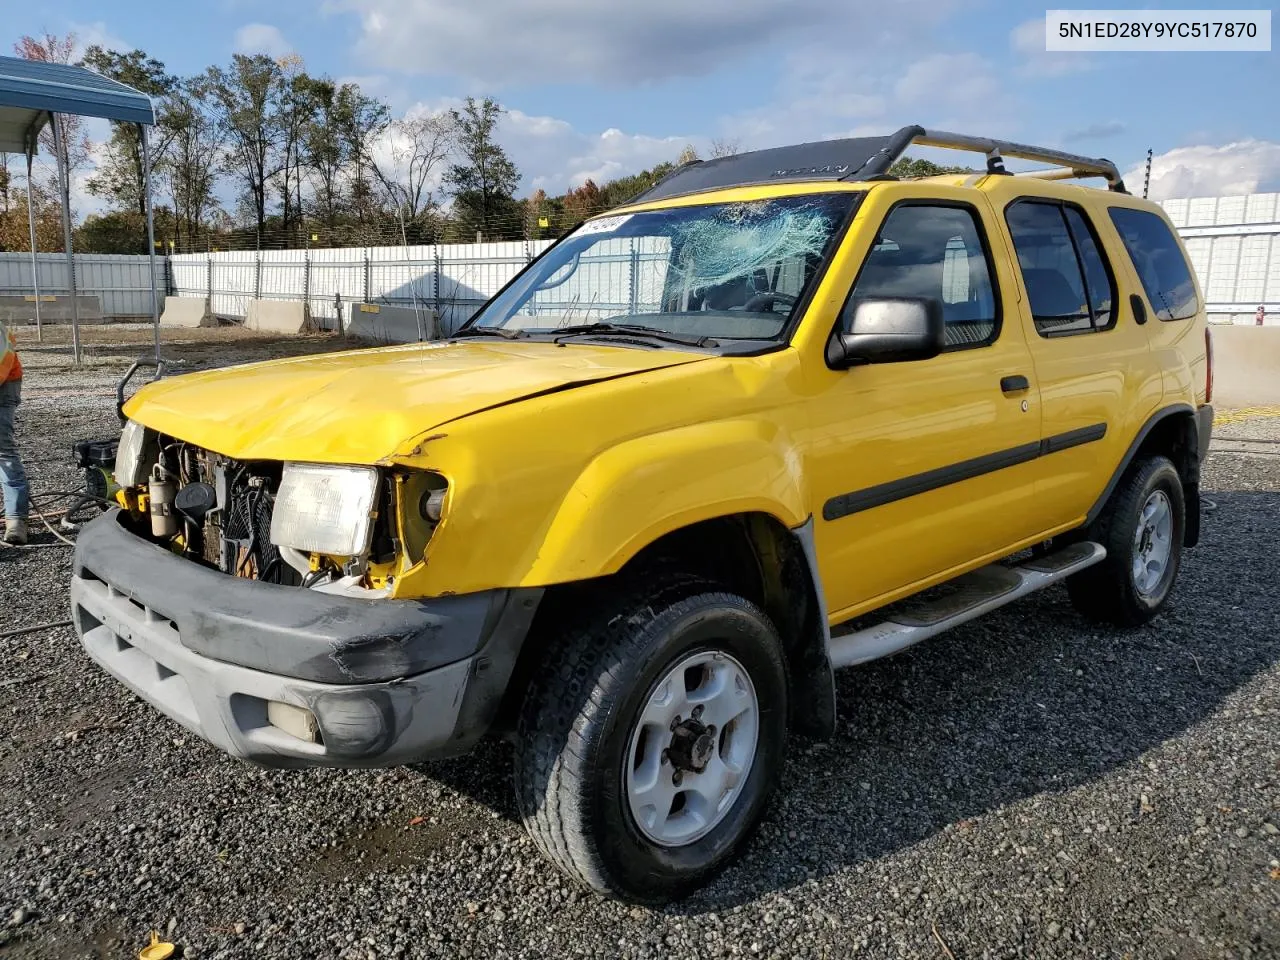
{"x": 1142, "y": 528}
{"x": 649, "y": 745}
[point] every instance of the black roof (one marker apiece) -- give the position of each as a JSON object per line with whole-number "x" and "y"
{"x": 822, "y": 160}
{"x": 856, "y": 158}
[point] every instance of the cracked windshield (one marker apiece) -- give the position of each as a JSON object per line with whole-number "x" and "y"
{"x": 728, "y": 271}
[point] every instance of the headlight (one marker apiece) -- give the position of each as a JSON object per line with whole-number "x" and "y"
{"x": 131, "y": 467}
{"x": 322, "y": 509}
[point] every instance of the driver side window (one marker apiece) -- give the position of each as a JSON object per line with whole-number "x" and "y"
{"x": 937, "y": 252}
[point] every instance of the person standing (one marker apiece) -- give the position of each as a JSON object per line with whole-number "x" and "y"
{"x": 13, "y": 478}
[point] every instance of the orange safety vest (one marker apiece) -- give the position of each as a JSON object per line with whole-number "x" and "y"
{"x": 10, "y": 365}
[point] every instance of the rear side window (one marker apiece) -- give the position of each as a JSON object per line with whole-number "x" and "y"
{"x": 1067, "y": 278}
{"x": 1161, "y": 267}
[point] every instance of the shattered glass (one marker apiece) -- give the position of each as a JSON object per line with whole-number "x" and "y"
{"x": 730, "y": 271}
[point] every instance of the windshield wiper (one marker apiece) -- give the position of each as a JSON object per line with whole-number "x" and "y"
{"x": 490, "y": 332}
{"x": 606, "y": 328}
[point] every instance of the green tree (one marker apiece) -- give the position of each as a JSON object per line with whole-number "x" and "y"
{"x": 337, "y": 145}
{"x": 907, "y": 168}
{"x": 483, "y": 184}
{"x": 294, "y": 107}
{"x": 246, "y": 98}
{"x": 121, "y": 174}
{"x": 362, "y": 119}
{"x": 195, "y": 157}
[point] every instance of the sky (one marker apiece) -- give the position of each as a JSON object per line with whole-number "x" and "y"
{"x": 605, "y": 89}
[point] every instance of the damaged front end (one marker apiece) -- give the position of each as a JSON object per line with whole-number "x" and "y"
{"x": 343, "y": 530}
{"x": 253, "y": 602}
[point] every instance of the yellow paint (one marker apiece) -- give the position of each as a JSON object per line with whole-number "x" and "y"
{"x": 563, "y": 462}
{"x": 1224, "y": 418}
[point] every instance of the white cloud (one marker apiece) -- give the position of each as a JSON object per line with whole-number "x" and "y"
{"x": 97, "y": 34}
{"x": 1028, "y": 41}
{"x": 821, "y": 99}
{"x": 262, "y": 38}
{"x": 505, "y": 41}
{"x": 1246, "y": 166}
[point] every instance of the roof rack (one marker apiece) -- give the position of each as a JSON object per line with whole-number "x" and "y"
{"x": 864, "y": 158}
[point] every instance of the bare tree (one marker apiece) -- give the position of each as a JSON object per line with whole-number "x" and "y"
{"x": 725, "y": 147}
{"x": 407, "y": 161}
{"x": 76, "y": 147}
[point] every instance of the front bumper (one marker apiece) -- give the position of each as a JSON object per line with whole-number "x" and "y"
{"x": 388, "y": 681}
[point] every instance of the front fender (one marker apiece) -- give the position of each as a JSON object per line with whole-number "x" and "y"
{"x": 639, "y": 490}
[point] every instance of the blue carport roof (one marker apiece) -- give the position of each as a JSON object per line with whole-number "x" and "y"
{"x": 31, "y": 89}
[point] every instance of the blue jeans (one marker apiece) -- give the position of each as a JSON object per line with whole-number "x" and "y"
{"x": 13, "y": 479}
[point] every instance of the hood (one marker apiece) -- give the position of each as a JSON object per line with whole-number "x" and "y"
{"x": 360, "y": 406}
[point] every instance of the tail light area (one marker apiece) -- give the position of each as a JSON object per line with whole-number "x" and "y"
{"x": 1208, "y": 365}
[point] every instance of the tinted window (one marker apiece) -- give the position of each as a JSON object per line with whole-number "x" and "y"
{"x": 1161, "y": 267}
{"x": 935, "y": 252}
{"x": 1067, "y": 280}
{"x": 1097, "y": 279}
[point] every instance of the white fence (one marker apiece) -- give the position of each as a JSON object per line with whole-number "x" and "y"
{"x": 1234, "y": 245}
{"x": 455, "y": 279}
{"x": 121, "y": 283}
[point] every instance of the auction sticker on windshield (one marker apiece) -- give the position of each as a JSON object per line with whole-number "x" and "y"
{"x": 602, "y": 225}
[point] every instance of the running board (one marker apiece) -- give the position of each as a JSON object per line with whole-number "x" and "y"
{"x": 960, "y": 601}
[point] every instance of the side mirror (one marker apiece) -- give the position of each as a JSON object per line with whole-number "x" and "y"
{"x": 889, "y": 330}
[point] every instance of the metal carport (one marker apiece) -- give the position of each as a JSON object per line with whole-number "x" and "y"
{"x": 31, "y": 94}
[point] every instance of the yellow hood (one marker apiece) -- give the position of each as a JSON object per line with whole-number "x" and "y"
{"x": 361, "y": 406}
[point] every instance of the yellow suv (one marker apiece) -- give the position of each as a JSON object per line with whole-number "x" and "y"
{"x": 781, "y": 414}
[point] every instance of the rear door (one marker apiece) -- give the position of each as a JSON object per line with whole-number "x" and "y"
{"x": 1093, "y": 363}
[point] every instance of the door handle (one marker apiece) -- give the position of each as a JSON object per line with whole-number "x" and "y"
{"x": 1139, "y": 309}
{"x": 1014, "y": 384}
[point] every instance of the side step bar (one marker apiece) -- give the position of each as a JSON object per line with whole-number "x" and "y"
{"x": 959, "y": 601}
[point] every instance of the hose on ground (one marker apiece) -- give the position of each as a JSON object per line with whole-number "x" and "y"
{"x": 21, "y": 631}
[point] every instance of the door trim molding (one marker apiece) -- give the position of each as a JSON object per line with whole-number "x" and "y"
{"x": 868, "y": 498}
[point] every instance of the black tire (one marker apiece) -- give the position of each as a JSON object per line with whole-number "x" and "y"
{"x": 574, "y": 734}
{"x": 1108, "y": 592}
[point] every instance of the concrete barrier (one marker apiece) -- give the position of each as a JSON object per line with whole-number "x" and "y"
{"x": 1246, "y": 367}
{"x": 277, "y": 316}
{"x": 53, "y": 309}
{"x": 384, "y": 324}
{"x": 186, "y": 312}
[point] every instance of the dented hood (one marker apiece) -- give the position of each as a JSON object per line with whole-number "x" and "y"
{"x": 362, "y": 406}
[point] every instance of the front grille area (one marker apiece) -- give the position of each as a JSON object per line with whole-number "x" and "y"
{"x": 223, "y": 508}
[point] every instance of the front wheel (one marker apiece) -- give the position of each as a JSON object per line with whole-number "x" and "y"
{"x": 1142, "y": 527}
{"x": 650, "y": 742}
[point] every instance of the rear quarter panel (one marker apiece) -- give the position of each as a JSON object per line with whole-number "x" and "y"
{"x": 1178, "y": 346}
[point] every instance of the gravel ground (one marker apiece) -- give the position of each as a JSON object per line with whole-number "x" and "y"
{"x": 1027, "y": 786}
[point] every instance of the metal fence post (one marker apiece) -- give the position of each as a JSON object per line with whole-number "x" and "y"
{"x": 257, "y": 277}
{"x": 208, "y": 283}
{"x": 436, "y": 266}
{"x": 634, "y": 280}
{"x": 306, "y": 281}
{"x": 337, "y": 309}
{"x": 368, "y": 276}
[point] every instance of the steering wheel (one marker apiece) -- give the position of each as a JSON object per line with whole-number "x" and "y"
{"x": 764, "y": 302}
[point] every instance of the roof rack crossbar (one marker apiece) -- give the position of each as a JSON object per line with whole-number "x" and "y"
{"x": 1080, "y": 166}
